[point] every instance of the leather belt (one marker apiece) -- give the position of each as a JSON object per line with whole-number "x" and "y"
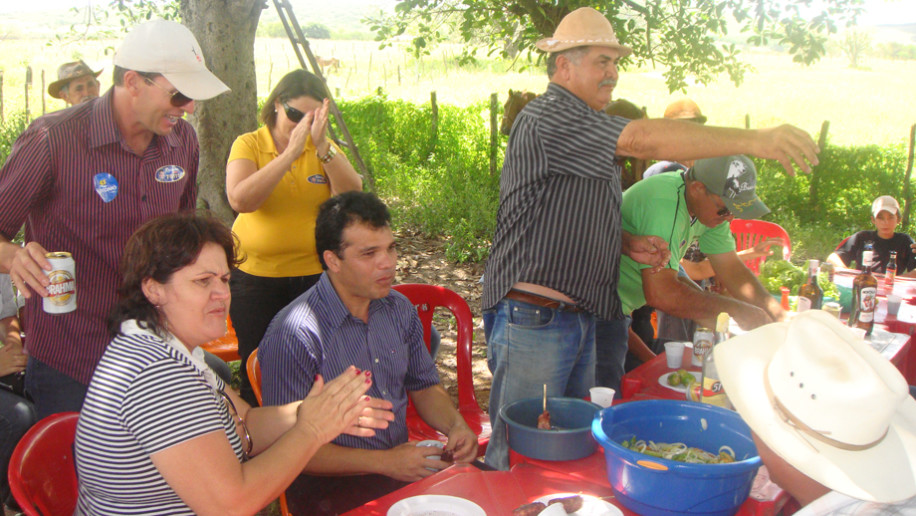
{"x": 546, "y": 302}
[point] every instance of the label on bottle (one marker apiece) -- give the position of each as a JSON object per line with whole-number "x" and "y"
{"x": 803, "y": 304}
{"x": 889, "y": 278}
{"x": 713, "y": 393}
{"x": 867, "y": 299}
{"x": 867, "y": 256}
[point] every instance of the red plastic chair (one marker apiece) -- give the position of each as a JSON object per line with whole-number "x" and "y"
{"x": 749, "y": 232}
{"x": 227, "y": 346}
{"x": 254, "y": 375}
{"x": 427, "y": 298}
{"x": 42, "y": 474}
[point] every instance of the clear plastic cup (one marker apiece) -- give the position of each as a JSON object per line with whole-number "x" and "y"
{"x": 602, "y": 396}
{"x": 674, "y": 353}
{"x": 893, "y": 304}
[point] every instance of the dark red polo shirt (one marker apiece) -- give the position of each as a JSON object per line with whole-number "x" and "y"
{"x": 73, "y": 181}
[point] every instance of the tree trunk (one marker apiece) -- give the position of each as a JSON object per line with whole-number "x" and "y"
{"x": 225, "y": 30}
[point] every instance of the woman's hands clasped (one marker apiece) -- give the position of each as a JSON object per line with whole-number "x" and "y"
{"x": 341, "y": 406}
{"x": 314, "y": 124}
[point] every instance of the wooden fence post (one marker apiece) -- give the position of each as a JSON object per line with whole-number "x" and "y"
{"x": 747, "y": 121}
{"x": 494, "y": 131}
{"x": 434, "y": 124}
{"x": 43, "y": 107}
{"x": 815, "y": 175}
{"x": 906, "y": 179}
{"x": 28, "y": 84}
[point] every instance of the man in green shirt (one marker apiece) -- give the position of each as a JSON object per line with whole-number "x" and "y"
{"x": 696, "y": 205}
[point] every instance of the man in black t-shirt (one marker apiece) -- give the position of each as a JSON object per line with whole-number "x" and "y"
{"x": 885, "y": 216}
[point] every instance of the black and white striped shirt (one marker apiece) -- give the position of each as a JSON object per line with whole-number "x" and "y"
{"x": 145, "y": 397}
{"x": 558, "y": 223}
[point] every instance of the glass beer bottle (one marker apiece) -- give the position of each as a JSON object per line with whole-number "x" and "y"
{"x": 712, "y": 391}
{"x": 890, "y": 273}
{"x": 810, "y": 295}
{"x": 864, "y": 300}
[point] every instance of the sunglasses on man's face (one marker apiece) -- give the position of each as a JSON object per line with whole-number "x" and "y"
{"x": 724, "y": 212}
{"x": 177, "y": 98}
{"x": 295, "y": 116}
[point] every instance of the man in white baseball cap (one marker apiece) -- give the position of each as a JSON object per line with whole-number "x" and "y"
{"x": 884, "y": 239}
{"x": 832, "y": 419}
{"x": 82, "y": 180}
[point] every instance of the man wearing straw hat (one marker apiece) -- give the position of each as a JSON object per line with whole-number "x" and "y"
{"x": 832, "y": 419}
{"x": 553, "y": 265}
{"x": 82, "y": 180}
{"x": 76, "y": 83}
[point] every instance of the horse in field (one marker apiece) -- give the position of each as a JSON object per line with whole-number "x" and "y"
{"x": 328, "y": 64}
{"x": 518, "y": 99}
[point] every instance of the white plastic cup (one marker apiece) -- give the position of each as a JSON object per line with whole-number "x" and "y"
{"x": 602, "y": 396}
{"x": 432, "y": 444}
{"x": 893, "y": 304}
{"x": 674, "y": 353}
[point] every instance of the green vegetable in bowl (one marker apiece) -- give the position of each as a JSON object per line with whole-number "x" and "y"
{"x": 781, "y": 273}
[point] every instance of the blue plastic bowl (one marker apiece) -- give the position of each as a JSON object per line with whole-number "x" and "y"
{"x": 659, "y": 487}
{"x": 570, "y": 441}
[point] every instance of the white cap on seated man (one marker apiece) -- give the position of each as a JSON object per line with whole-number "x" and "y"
{"x": 833, "y": 420}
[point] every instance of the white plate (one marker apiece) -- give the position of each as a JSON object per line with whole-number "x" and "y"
{"x": 591, "y": 505}
{"x": 435, "y": 505}
{"x": 663, "y": 381}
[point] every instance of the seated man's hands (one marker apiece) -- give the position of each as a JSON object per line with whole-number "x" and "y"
{"x": 408, "y": 463}
{"x": 376, "y": 415}
{"x": 462, "y": 443}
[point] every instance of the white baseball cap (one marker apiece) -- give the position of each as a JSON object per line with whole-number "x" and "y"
{"x": 885, "y": 203}
{"x": 169, "y": 48}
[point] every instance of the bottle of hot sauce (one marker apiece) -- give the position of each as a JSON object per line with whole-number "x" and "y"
{"x": 864, "y": 300}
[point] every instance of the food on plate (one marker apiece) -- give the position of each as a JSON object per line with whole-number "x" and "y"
{"x": 679, "y": 452}
{"x": 447, "y": 456}
{"x": 544, "y": 421}
{"x": 680, "y": 377}
{"x": 571, "y": 504}
{"x": 529, "y": 509}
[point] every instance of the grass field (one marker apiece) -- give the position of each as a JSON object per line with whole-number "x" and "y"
{"x": 872, "y": 105}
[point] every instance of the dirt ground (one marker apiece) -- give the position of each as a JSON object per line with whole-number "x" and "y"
{"x": 422, "y": 260}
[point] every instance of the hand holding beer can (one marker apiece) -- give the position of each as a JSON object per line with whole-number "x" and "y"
{"x": 62, "y": 290}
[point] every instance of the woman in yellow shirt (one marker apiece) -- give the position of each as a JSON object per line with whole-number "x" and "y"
{"x": 276, "y": 178}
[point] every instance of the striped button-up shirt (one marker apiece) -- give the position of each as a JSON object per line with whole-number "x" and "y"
{"x": 558, "y": 223}
{"x": 77, "y": 186}
{"x": 317, "y": 334}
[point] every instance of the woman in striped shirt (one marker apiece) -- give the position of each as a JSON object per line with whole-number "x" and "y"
{"x": 159, "y": 432}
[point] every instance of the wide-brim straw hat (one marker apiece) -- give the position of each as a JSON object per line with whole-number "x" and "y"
{"x": 68, "y": 72}
{"x": 827, "y": 403}
{"x": 584, "y": 27}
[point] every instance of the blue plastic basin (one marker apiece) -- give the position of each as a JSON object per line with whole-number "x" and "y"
{"x": 659, "y": 487}
{"x": 571, "y": 440}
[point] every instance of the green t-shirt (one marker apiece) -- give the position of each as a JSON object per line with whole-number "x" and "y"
{"x": 656, "y": 206}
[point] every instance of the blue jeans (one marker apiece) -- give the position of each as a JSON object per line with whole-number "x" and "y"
{"x": 17, "y": 415}
{"x": 611, "y": 344}
{"x": 51, "y": 390}
{"x": 529, "y": 346}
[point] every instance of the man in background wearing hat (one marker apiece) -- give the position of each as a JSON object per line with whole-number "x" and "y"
{"x": 832, "y": 419}
{"x": 554, "y": 261}
{"x": 683, "y": 109}
{"x": 82, "y": 180}
{"x": 696, "y": 205}
{"x": 885, "y": 215}
{"x": 76, "y": 83}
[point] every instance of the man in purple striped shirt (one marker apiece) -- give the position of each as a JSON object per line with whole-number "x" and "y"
{"x": 82, "y": 180}
{"x": 352, "y": 316}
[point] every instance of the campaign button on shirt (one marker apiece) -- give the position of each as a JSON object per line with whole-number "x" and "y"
{"x": 317, "y": 179}
{"x": 106, "y": 186}
{"x": 169, "y": 174}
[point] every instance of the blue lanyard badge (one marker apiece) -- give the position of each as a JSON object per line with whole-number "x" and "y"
{"x": 105, "y": 185}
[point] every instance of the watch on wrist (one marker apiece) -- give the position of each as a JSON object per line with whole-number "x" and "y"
{"x": 329, "y": 156}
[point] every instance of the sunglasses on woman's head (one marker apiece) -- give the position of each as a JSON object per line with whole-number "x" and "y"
{"x": 177, "y": 98}
{"x": 295, "y": 116}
